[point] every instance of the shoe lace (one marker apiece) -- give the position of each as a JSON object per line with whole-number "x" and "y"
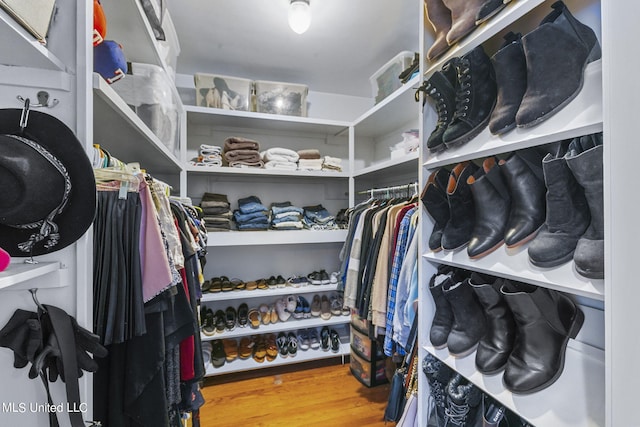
{"x": 455, "y": 413}
{"x": 463, "y": 91}
{"x": 441, "y": 107}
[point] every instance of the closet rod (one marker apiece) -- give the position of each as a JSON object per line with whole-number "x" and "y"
{"x": 372, "y": 191}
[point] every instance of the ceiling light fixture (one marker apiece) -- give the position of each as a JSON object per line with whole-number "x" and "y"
{"x": 299, "y": 15}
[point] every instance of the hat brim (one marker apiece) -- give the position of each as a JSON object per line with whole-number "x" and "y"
{"x": 60, "y": 141}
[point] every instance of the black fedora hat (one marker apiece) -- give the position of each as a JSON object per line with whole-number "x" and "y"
{"x": 47, "y": 186}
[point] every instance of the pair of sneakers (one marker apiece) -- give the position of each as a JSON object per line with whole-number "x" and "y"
{"x": 286, "y": 307}
{"x": 287, "y": 344}
{"x": 329, "y": 339}
{"x": 303, "y": 308}
{"x": 319, "y": 278}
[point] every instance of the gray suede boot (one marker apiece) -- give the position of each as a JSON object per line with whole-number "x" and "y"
{"x": 584, "y": 158}
{"x": 463, "y": 17}
{"x": 489, "y": 9}
{"x": 557, "y": 53}
{"x": 567, "y": 214}
{"x": 440, "y": 17}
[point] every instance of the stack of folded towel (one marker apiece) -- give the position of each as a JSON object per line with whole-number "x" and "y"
{"x": 318, "y": 218}
{"x": 280, "y": 158}
{"x": 332, "y": 164}
{"x": 216, "y": 212}
{"x": 208, "y": 155}
{"x": 310, "y": 160}
{"x": 251, "y": 214}
{"x": 242, "y": 152}
{"x": 285, "y": 216}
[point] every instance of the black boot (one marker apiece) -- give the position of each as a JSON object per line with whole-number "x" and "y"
{"x": 458, "y": 230}
{"x": 434, "y": 199}
{"x": 557, "y": 53}
{"x": 496, "y": 345}
{"x": 468, "y": 318}
{"x": 443, "y": 317}
{"x": 567, "y": 214}
{"x": 441, "y": 88}
{"x": 584, "y": 158}
{"x": 525, "y": 179}
{"x": 489, "y": 9}
{"x": 475, "y": 97}
{"x": 491, "y": 199}
{"x": 510, "y": 67}
{"x": 463, "y": 403}
{"x": 438, "y": 376}
{"x": 545, "y": 320}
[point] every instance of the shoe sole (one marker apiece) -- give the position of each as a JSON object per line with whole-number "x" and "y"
{"x": 464, "y": 353}
{"x": 493, "y": 13}
{"x": 472, "y": 133}
{"x": 552, "y": 263}
{"x": 590, "y": 274}
{"x": 525, "y": 240}
{"x": 488, "y": 251}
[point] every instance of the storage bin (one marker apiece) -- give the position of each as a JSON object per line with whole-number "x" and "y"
{"x": 281, "y": 98}
{"x": 368, "y": 373}
{"x": 362, "y": 344}
{"x": 147, "y": 90}
{"x": 360, "y": 323}
{"x": 385, "y": 81}
{"x": 226, "y": 92}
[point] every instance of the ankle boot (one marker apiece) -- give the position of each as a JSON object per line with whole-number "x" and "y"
{"x": 434, "y": 199}
{"x": 557, "y": 53}
{"x": 458, "y": 230}
{"x": 545, "y": 320}
{"x": 510, "y": 67}
{"x": 463, "y": 18}
{"x": 468, "y": 319}
{"x": 496, "y": 345}
{"x": 441, "y": 88}
{"x": 567, "y": 214}
{"x": 463, "y": 403}
{"x": 525, "y": 179}
{"x": 489, "y": 9}
{"x": 584, "y": 158}
{"x": 440, "y": 18}
{"x": 438, "y": 376}
{"x": 475, "y": 97}
{"x": 491, "y": 199}
{"x": 443, "y": 317}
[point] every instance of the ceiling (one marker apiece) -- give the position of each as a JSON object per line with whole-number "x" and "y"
{"x": 348, "y": 41}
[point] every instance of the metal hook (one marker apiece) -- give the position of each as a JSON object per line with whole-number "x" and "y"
{"x": 43, "y": 100}
{"x": 24, "y": 116}
{"x": 35, "y": 299}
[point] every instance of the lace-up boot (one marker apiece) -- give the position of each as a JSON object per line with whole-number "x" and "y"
{"x": 475, "y": 97}
{"x": 441, "y": 89}
{"x": 438, "y": 376}
{"x": 434, "y": 199}
{"x": 463, "y": 403}
{"x": 440, "y": 17}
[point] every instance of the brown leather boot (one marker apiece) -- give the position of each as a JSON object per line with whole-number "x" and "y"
{"x": 463, "y": 17}
{"x": 440, "y": 18}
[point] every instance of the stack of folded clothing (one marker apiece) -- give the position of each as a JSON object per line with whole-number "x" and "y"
{"x": 242, "y": 152}
{"x": 216, "y": 212}
{"x": 332, "y": 164}
{"x": 285, "y": 216}
{"x": 310, "y": 160}
{"x": 280, "y": 158}
{"x": 318, "y": 218}
{"x": 208, "y": 155}
{"x": 251, "y": 214}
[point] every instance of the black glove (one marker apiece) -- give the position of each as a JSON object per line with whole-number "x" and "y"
{"x": 23, "y": 335}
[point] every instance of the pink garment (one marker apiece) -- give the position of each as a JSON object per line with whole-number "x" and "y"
{"x": 187, "y": 345}
{"x": 156, "y": 275}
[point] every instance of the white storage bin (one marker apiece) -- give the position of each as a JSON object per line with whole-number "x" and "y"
{"x": 226, "y": 92}
{"x": 281, "y": 98}
{"x": 385, "y": 81}
{"x": 147, "y": 89}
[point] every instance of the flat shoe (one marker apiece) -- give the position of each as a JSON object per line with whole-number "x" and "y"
{"x": 220, "y": 321}
{"x": 251, "y": 286}
{"x": 227, "y": 286}
{"x": 243, "y": 315}
{"x": 230, "y": 318}
{"x": 264, "y": 313}
{"x": 245, "y": 348}
{"x": 255, "y": 318}
{"x": 230, "y": 349}
{"x": 216, "y": 285}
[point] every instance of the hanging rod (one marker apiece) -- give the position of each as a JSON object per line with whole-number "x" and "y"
{"x": 406, "y": 187}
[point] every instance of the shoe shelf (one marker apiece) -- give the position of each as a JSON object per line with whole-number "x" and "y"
{"x": 511, "y": 13}
{"x": 402, "y": 164}
{"x": 19, "y": 48}
{"x": 514, "y": 264}
{"x": 239, "y": 365}
{"x": 393, "y": 112}
{"x": 21, "y": 275}
{"x": 269, "y": 172}
{"x": 274, "y": 237}
{"x": 577, "y": 398}
{"x": 125, "y": 135}
{"x": 266, "y": 293}
{"x": 290, "y": 325}
{"x": 582, "y": 116}
{"x": 281, "y": 124}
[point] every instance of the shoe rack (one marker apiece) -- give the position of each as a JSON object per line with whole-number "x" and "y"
{"x": 584, "y": 393}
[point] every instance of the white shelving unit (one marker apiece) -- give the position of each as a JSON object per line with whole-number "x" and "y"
{"x": 17, "y": 275}
{"x": 408, "y": 161}
{"x": 267, "y": 172}
{"x": 267, "y": 293}
{"x": 275, "y": 237}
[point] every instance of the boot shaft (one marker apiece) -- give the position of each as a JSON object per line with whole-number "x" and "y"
{"x": 434, "y": 196}
{"x": 441, "y": 88}
{"x": 461, "y": 204}
{"x": 490, "y": 196}
{"x": 476, "y": 86}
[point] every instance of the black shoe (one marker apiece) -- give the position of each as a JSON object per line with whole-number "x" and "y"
{"x": 324, "y": 339}
{"x": 218, "y": 355}
{"x": 283, "y": 345}
{"x": 207, "y": 319}
{"x": 220, "y": 320}
{"x": 230, "y": 318}
{"x": 335, "y": 340}
{"x": 292, "y": 344}
{"x": 243, "y": 315}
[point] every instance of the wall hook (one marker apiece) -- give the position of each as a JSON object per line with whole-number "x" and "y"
{"x": 35, "y": 299}
{"x": 43, "y": 100}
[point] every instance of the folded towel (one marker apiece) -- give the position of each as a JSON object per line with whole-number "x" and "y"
{"x": 309, "y": 153}
{"x": 239, "y": 143}
{"x": 245, "y": 164}
{"x": 310, "y": 164}
{"x": 209, "y": 149}
{"x": 195, "y": 162}
{"x": 278, "y": 153}
{"x": 275, "y": 164}
{"x": 333, "y": 161}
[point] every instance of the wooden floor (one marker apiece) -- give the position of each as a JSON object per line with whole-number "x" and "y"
{"x": 300, "y": 395}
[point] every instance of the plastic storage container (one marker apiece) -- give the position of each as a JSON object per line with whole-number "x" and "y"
{"x": 281, "y": 98}
{"x": 148, "y": 90}
{"x": 368, "y": 373}
{"x": 362, "y": 344}
{"x": 360, "y": 323}
{"x": 226, "y": 92}
{"x": 385, "y": 81}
